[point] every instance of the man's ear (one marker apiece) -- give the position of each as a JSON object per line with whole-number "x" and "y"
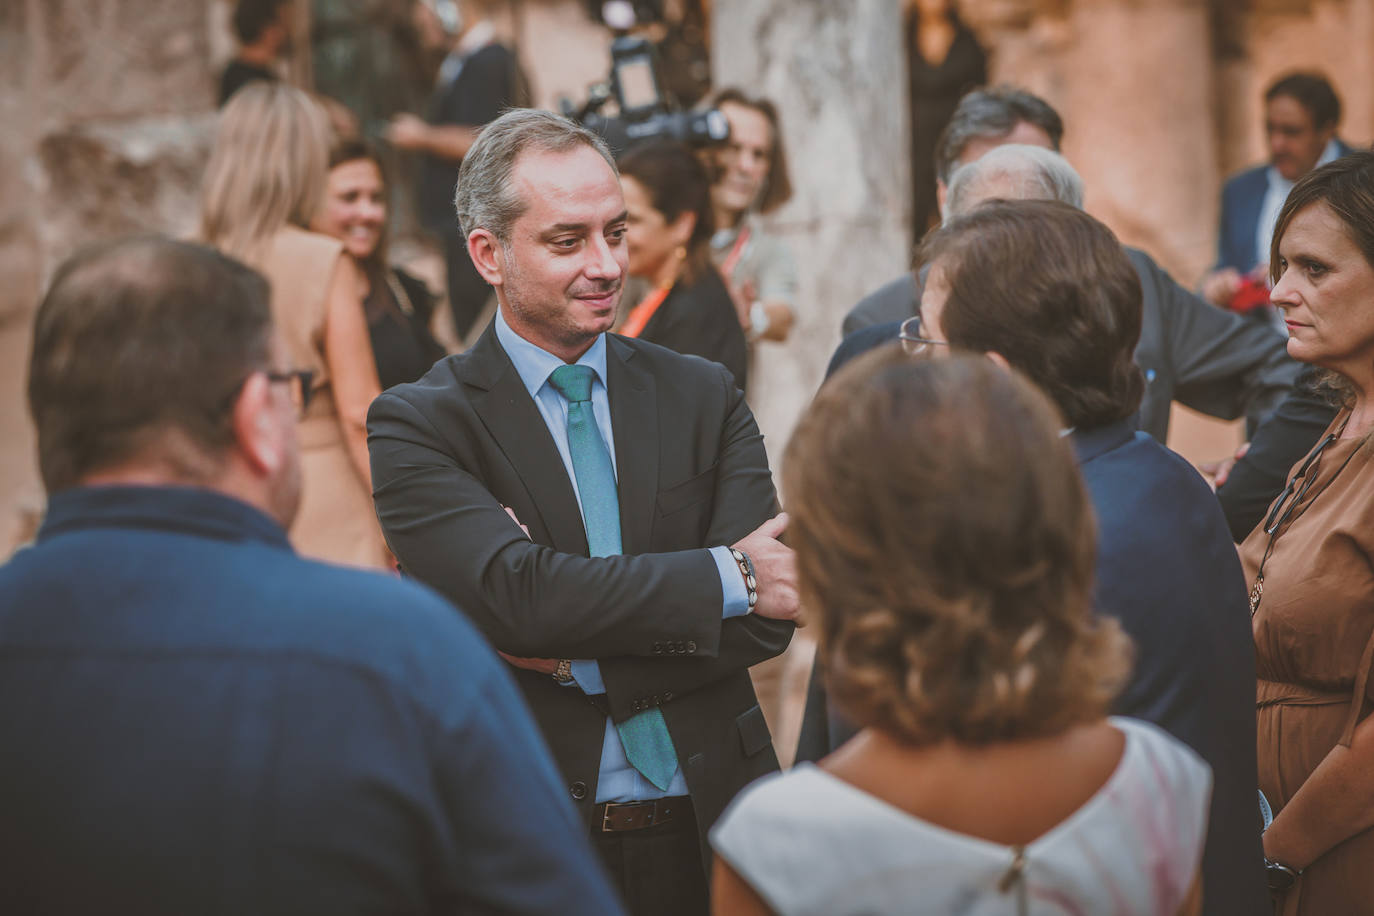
{"x": 998, "y": 360}
{"x": 941, "y": 193}
{"x": 258, "y": 427}
{"x": 484, "y": 249}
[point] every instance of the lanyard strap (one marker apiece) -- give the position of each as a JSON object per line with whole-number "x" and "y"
{"x": 1282, "y": 524}
{"x": 727, "y": 267}
{"x": 639, "y": 315}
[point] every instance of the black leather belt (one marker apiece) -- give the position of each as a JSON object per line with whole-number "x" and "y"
{"x": 616, "y": 817}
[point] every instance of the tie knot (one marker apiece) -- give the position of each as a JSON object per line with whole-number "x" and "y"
{"x": 573, "y": 382}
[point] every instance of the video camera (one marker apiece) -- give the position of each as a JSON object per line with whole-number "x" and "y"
{"x": 646, "y": 112}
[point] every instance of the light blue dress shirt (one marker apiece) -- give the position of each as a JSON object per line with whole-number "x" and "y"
{"x": 618, "y": 781}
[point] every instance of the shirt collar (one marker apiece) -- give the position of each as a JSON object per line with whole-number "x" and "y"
{"x": 186, "y": 510}
{"x": 1089, "y": 443}
{"x": 535, "y": 364}
{"x": 478, "y": 37}
{"x": 1330, "y": 153}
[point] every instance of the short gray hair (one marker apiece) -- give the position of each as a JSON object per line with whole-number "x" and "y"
{"x": 1035, "y": 173}
{"x": 484, "y": 197}
{"x": 990, "y": 114}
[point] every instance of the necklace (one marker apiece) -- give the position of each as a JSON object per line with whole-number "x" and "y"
{"x": 1284, "y": 512}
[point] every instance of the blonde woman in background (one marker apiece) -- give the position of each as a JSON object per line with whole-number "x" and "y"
{"x": 264, "y": 183}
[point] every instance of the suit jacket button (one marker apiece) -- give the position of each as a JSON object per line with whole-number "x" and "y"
{"x": 578, "y": 790}
{"x": 691, "y": 646}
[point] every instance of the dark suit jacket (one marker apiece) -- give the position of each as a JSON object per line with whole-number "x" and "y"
{"x": 1242, "y": 198}
{"x": 1276, "y": 447}
{"x": 699, "y": 318}
{"x": 1214, "y": 361}
{"x": 449, "y": 451}
{"x": 1167, "y": 570}
{"x": 196, "y": 720}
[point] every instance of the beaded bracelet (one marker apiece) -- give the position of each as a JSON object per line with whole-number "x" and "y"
{"x": 746, "y": 569}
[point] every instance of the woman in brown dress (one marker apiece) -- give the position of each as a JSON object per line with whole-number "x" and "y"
{"x": 1310, "y": 564}
{"x": 263, "y": 184}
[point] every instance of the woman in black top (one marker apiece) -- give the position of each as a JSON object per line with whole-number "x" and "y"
{"x": 688, "y": 308}
{"x": 944, "y": 61}
{"x": 398, "y": 306}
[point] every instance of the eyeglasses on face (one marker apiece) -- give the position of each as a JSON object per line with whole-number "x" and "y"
{"x": 913, "y": 341}
{"x": 299, "y": 381}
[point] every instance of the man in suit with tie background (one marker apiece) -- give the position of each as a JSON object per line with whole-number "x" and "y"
{"x": 642, "y": 574}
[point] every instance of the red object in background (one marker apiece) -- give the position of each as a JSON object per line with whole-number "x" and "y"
{"x": 1253, "y": 293}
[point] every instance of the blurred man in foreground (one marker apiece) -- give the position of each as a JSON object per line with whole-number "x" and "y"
{"x": 194, "y": 718}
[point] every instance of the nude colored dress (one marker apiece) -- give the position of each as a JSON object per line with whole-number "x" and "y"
{"x": 336, "y": 522}
{"x": 1314, "y": 645}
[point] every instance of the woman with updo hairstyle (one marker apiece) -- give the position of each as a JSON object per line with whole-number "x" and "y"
{"x": 945, "y": 548}
{"x": 264, "y": 184}
{"x": 688, "y": 308}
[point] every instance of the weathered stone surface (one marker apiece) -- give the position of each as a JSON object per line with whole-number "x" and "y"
{"x": 833, "y": 67}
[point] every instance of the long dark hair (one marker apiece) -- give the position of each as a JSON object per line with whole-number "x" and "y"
{"x": 677, "y": 183}
{"x": 355, "y": 150}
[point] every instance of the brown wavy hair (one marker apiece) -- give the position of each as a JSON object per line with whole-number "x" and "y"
{"x": 946, "y": 545}
{"x": 1051, "y": 289}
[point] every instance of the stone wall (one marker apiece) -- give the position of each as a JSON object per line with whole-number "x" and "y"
{"x": 107, "y": 114}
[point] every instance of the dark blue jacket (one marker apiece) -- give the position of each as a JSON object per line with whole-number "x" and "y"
{"x": 1242, "y": 197}
{"x": 1168, "y": 570}
{"x": 195, "y": 720}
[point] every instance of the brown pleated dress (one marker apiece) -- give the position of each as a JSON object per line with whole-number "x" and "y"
{"x": 337, "y": 521}
{"x": 1314, "y": 645}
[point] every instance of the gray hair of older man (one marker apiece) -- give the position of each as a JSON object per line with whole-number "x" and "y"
{"x": 990, "y": 114}
{"x": 485, "y": 197}
{"x": 1013, "y": 172}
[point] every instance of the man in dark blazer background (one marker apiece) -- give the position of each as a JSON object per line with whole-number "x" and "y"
{"x": 1301, "y": 114}
{"x": 194, "y": 718}
{"x": 1213, "y": 361}
{"x": 601, "y": 508}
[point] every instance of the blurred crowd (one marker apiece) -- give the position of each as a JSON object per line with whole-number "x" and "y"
{"x": 362, "y": 592}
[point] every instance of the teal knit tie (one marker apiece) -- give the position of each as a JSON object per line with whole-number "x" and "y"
{"x": 648, "y": 746}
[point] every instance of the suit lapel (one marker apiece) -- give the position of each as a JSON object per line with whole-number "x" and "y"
{"x": 514, "y": 422}
{"x": 634, "y": 425}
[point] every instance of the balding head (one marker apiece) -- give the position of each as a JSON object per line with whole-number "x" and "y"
{"x": 138, "y": 348}
{"x": 1014, "y": 172}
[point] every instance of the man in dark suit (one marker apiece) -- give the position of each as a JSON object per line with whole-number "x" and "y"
{"x": 196, "y": 720}
{"x": 1301, "y": 114}
{"x": 576, "y": 493}
{"x": 1213, "y": 361}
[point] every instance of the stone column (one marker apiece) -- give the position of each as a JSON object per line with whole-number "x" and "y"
{"x": 835, "y": 69}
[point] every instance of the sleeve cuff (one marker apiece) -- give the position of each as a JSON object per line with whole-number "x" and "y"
{"x": 587, "y": 675}
{"x": 736, "y": 603}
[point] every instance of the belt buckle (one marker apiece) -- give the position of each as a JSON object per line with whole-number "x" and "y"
{"x": 606, "y": 817}
{"x": 651, "y": 816}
